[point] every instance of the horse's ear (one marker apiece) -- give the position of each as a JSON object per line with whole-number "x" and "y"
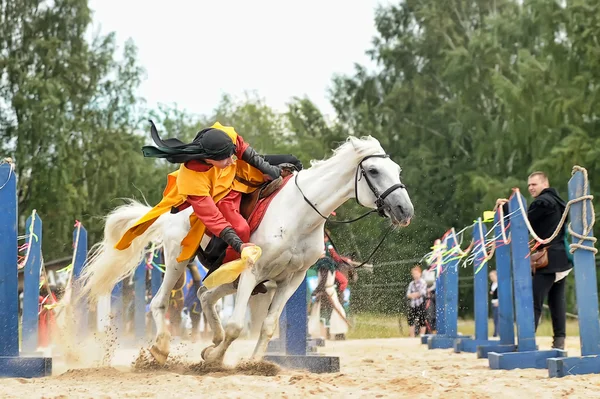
{"x": 354, "y": 141}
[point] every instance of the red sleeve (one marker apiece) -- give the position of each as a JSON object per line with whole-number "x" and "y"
{"x": 241, "y": 146}
{"x": 342, "y": 280}
{"x": 207, "y": 211}
{"x": 197, "y": 166}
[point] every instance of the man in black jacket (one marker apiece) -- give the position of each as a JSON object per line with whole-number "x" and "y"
{"x": 544, "y": 215}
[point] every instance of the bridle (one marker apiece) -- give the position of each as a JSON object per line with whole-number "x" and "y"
{"x": 379, "y": 199}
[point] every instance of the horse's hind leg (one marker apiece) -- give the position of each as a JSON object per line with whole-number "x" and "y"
{"x": 283, "y": 293}
{"x": 208, "y": 299}
{"x": 159, "y": 305}
{"x": 235, "y": 325}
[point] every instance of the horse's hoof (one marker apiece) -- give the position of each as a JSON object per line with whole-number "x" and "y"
{"x": 158, "y": 355}
{"x": 206, "y": 352}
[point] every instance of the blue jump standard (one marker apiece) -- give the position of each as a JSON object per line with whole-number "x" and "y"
{"x": 480, "y": 272}
{"x": 293, "y": 333}
{"x": 448, "y": 330}
{"x": 523, "y": 360}
{"x": 527, "y": 355}
{"x": 25, "y": 367}
{"x": 484, "y": 350}
{"x": 506, "y": 327}
{"x": 11, "y": 364}
{"x": 585, "y": 289}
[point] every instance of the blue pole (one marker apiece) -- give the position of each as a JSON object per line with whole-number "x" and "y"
{"x": 585, "y": 269}
{"x": 584, "y": 261}
{"x": 293, "y": 324}
{"x": 440, "y": 301}
{"x": 31, "y": 283}
{"x": 140, "y": 300}
{"x": 506, "y": 326}
{"x": 506, "y": 321}
{"x": 480, "y": 268}
{"x": 522, "y": 275}
{"x": 116, "y": 306}
{"x": 80, "y": 241}
{"x": 156, "y": 275}
{"x": 9, "y": 299}
{"x": 527, "y": 355}
{"x": 451, "y": 291}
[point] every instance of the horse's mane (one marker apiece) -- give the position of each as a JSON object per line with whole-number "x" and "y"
{"x": 353, "y": 148}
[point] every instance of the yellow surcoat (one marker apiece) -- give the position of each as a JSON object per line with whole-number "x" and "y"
{"x": 215, "y": 183}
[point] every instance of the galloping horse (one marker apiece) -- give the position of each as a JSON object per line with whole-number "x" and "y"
{"x": 290, "y": 235}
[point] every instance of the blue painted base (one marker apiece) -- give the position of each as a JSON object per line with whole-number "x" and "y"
{"x": 443, "y": 341}
{"x": 483, "y": 351}
{"x": 471, "y": 345}
{"x": 275, "y": 346}
{"x": 561, "y": 367}
{"x": 312, "y": 363}
{"x": 523, "y": 360}
{"x": 425, "y": 337}
{"x": 25, "y": 367}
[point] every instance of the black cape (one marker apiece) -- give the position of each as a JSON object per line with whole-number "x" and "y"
{"x": 209, "y": 143}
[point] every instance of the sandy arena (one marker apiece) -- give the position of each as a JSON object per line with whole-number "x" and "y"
{"x": 370, "y": 368}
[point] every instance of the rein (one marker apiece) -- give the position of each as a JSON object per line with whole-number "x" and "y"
{"x": 379, "y": 202}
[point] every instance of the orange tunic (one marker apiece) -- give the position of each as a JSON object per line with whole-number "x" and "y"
{"x": 215, "y": 183}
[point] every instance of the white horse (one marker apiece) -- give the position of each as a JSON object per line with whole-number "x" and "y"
{"x": 290, "y": 235}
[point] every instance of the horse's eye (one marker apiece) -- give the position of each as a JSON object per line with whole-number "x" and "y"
{"x": 374, "y": 172}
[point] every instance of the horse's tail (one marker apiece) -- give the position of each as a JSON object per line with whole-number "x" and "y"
{"x": 106, "y": 265}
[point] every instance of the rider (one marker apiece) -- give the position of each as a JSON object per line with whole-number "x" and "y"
{"x": 217, "y": 167}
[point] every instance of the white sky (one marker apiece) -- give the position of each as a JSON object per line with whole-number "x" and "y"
{"x": 196, "y": 50}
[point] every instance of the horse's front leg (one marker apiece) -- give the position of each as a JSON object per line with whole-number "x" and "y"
{"x": 284, "y": 292}
{"x": 235, "y": 325}
{"x": 159, "y": 305}
{"x": 208, "y": 299}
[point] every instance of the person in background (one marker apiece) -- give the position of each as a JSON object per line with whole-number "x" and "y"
{"x": 416, "y": 292}
{"x": 494, "y": 293}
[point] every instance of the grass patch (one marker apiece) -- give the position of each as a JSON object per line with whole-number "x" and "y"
{"x": 374, "y": 325}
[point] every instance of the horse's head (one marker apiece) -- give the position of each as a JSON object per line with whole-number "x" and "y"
{"x": 378, "y": 185}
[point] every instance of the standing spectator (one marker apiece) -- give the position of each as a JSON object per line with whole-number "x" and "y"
{"x": 416, "y": 292}
{"x": 544, "y": 215}
{"x": 494, "y": 293}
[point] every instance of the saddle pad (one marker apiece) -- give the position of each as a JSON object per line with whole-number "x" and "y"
{"x": 261, "y": 207}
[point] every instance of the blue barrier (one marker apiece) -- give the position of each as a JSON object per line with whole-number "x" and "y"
{"x": 585, "y": 285}
{"x": 139, "y": 310}
{"x": 31, "y": 284}
{"x": 506, "y": 326}
{"x": 12, "y": 364}
{"x": 527, "y": 355}
{"x": 293, "y": 328}
{"x": 448, "y": 329}
{"x": 80, "y": 247}
{"x": 480, "y": 271}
